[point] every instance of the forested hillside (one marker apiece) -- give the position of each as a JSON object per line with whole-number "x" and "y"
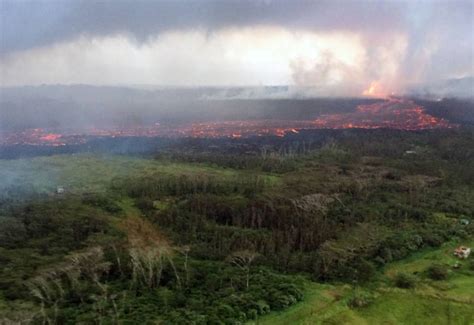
{"x": 213, "y": 236}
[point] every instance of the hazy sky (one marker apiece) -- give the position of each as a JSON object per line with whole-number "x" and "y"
{"x": 339, "y": 46}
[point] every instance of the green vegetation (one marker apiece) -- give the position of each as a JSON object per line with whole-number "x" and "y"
{"x": 405, "y": 281}
{"x": 437, "y": 272}
{"x": 382, "y": 302}
{"x": 350, "y": 233}
{"x": 94, "y": 173}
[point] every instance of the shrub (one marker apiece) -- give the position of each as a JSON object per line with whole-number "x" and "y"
{"x": 386, "y": 254}
{"x": 437, "y": 272}
{"x": 280, "y": 301}
{"x": 461, "y": 233}
{"x": 262, "y": 307}
{"x": 241, "y": 316}
{"x": 379, "y": 261}
{"x": 144, "y": 203}
{"x": 291, "y": 290}
{"x": 252, "y": 314}
{"x": 471, "y": 265}
{"x": 432, "y": 239}
{"x": 12, "y": 232}
{"x": 405, "y": 281}
{"x": 164, "y": 296}
{"x": 225, "y": 311}
{"x": 366, "y": 270}
{"x": 102, "y": 202}
{"x": 359, "y": 270}
{"x": 360, "y": 299}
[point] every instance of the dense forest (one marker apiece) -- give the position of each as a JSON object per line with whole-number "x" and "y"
{"x": 201, "y": 233}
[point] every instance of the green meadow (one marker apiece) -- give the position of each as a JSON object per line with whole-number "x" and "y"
{"x": 450, "y": 301}
{"x": 94, "y": 172}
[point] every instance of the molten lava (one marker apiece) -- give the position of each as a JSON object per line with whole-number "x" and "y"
{"x": 393, "y": 113}
{"x": 51, "y": 137}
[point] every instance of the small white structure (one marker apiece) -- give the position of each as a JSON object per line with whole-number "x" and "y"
{"x": 59, "y": 190}
{"x": 462, "y": 252}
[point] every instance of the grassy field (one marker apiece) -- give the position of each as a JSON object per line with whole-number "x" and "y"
{"x": 459, "y": 286}
{"x": 87, "y": 172}
{"x": 431, "y": 302}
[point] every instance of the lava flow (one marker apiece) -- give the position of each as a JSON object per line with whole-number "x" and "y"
{"x": 393, "y": 113}
{"x": 34, "y": 137}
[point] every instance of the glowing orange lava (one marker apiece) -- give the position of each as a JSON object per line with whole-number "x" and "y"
{"x": 52, "y": 137}
{"x": 33, "y": 137}
{"x": 393, "y": 113}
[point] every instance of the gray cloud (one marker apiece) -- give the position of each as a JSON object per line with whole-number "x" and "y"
{"x": 35, "y": 23}
{"x": 439, "y": 34}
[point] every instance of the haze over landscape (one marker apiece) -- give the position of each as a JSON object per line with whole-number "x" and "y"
{"x": 231, "y": 162}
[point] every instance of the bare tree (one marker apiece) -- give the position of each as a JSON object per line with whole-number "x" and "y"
{"x": 243, "y": 260}
{"x": 50, "y": 286}
{"x": 185, "y": 251}
{"x": 149, "y": 250}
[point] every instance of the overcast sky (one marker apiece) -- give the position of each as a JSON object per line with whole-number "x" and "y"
{"x": 339, "y": 46}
